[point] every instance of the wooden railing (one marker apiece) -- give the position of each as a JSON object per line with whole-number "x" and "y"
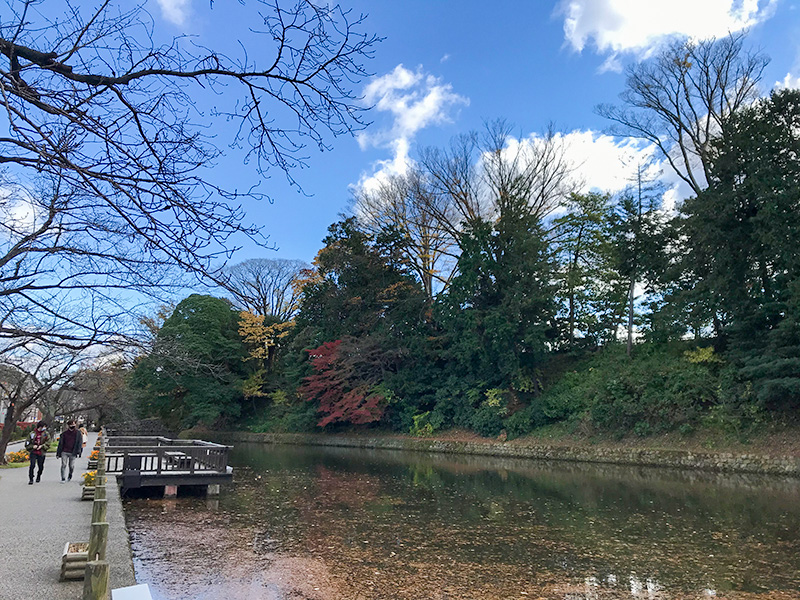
{"x": 160, "y": 455}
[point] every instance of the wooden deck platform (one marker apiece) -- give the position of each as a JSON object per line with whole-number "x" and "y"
{"x": 145, "y": 461}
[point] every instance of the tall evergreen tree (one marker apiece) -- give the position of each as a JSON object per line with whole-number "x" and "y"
{"x": 499, "y": 310}
{"x": 637, "y": 237}
{"x": 590, "y": 289}
{"x": 741, "y": 234}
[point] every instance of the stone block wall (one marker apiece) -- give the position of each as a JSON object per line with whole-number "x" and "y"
{"x": 709, "y": 461}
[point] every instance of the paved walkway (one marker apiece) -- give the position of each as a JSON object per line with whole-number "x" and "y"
{"x": 36, "y": 521}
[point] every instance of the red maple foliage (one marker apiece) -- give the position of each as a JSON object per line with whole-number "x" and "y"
{"x": 347, "y": 372}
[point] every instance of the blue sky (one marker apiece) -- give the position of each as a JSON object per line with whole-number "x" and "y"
{"x": 445, "y": 67}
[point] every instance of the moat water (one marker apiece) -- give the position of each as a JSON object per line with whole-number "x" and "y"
{"x": 320, "y": 523}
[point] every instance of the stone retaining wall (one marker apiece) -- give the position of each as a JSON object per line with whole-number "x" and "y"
{"x": 710, "y": 461}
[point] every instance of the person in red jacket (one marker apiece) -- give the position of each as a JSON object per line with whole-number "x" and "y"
{"x": 37, "y": 444}
{"x": 70, "y": 446}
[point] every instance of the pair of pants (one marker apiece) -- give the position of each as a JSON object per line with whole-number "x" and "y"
{"x": 36, "y": 459}
{"x": 67, "y": 459}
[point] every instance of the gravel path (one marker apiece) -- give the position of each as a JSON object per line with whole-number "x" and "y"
{"x": 36, "y": 521}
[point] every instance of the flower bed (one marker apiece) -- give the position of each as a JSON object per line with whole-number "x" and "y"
{"x": 89, "y": 478}
{"x": 87, "y": 491}
{"x": 21, "y": 456}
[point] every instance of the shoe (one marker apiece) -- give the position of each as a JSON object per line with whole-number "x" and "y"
{"x": 38, "y": 480}
{"x": 30, "y": 482}
{"x": 69, "y": 478}
{"x": 63, "y": 481}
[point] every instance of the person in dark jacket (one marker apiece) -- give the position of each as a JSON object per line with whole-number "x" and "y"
{"x": 37, "y": 444}
{"x": 70, "y": 446}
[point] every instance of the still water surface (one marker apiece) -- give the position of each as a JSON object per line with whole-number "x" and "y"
{"x": 349, "y": 524}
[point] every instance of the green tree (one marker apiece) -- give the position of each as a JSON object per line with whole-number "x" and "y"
{"x": 638, "y": 240}
{"x": 742, "y": 250}
{"x": 590, "y": 289}
{"x": 195, "y": 369}
{"x": 361, "y": 285}
{"x": 362, "y": 312}
{"x": 499, "y": 310}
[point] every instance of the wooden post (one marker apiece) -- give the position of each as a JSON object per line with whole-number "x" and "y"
{"x": 97, "y": 541}
{"x": 95, "y": 581}
{"x": 99, "y": 509}
{"x": 99, "y": 494}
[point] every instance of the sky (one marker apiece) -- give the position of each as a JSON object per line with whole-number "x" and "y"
{"x": 445, "y": 67}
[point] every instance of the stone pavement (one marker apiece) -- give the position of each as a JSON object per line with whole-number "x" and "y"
{"x": 36, "y": 521}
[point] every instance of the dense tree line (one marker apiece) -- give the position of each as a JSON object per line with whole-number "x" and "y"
{"x": 481, "y": 291}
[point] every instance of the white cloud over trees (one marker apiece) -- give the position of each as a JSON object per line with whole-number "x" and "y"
{"x": 622, "y": 26}
{"x": 414, "y": 100}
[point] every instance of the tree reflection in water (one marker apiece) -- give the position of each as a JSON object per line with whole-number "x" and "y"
{"x": 325, "y": 524}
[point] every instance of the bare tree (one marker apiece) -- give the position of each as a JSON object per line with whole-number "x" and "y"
{"x": 67, "y": 273}
{"x": 453, "y": 176}
{"x": 96, "y": 390}
{"x": 682, "y": 97}
{"x": 39, "y": 376}
{"x": 408, "y": 204}
{"x": 475, "y": 177}
{"x": 106, "y": 149}
{"x": 481, "y": 175}
{"x": 535, "y": 174}
{"x": 266, "y": 286}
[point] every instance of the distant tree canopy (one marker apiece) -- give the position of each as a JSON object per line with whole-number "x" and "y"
{"x": 194, "y": 371}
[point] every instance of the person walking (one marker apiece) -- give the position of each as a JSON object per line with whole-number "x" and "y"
{"x": 84, "y": 435}
{"x": 37, "y": 444}
{"x": 70, "y": 446}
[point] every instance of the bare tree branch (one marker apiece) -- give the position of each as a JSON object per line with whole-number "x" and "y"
{"x": 682, "y": 98}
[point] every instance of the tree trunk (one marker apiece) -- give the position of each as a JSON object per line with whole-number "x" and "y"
{"x": 571, "y": 318}
{"x": 630, "y": 315}
{"x": 8, "y": 429}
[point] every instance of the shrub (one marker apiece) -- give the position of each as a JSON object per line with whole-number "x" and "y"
{"x": 21, "y": 431}
{"x": 525, "y": 420}
{"x": 286, "y": 418}
{"x": 659, "y": 388}
{"x": 487, "y": 420}
{"x": 421, "y": 425}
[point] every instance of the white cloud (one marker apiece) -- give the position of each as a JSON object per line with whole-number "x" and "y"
{"x": 20, "y": 213}
{"x": 637, "y": 26}
{"x": 414, "y": 100}
{"x": 604, "y": 163}
{"x": 790, "y": 82}
{"x": 175, "y": 11}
